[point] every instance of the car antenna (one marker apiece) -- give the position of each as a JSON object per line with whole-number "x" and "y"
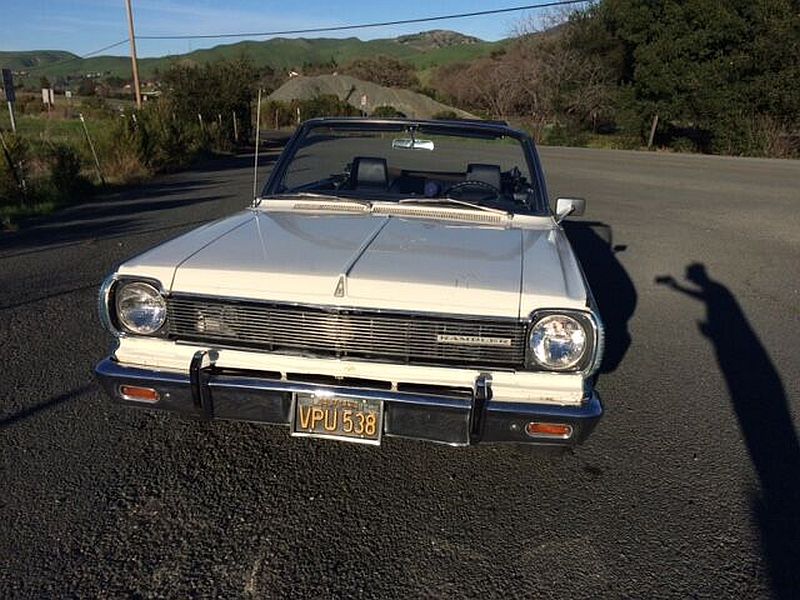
{"x": 256, "y": 199}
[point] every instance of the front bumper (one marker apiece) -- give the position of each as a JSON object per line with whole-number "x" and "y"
{"x": 213, "y": 393}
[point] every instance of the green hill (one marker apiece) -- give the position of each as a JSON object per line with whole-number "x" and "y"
{"x": 425, "y": 50}
{"x": 19, "y": 61}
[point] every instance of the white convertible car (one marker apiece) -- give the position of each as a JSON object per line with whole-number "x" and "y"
{"x": 395, "y": 278}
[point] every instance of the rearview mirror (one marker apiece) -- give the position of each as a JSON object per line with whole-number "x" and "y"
{"x": 411, "y": 144}
{"x": 566, "y": 207}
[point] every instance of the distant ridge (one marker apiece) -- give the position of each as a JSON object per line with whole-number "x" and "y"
{"x": 424, "y": 50}
{"x": 28, "y": 59}
{"x": 436, "y": 38}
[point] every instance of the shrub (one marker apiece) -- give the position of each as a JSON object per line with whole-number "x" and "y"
{"x": 386, "y": 111}
{"x": 445, "y": 114}
{"x": 11, "y": 190}
{"x": 560, "y": 135}
{"x": 683, "y": 144}
{"x": 754, "y": 135}
{"x": 65, "y": 172}
{"x": 276, "y": 114}
{"x": 325, "y": 105}
{"x": 154, "y": 140}
{"x": 383, "y": 70}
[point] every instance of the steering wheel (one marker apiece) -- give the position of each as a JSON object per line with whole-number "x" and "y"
{"x": 476, "y": 185}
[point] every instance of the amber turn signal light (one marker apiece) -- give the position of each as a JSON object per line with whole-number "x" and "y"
{"x": 559, "y": 431}
{"x": 138, "y": 394}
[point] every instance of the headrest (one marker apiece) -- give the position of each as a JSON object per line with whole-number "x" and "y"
{"x": 369, "y": 172}
{"x": 486, "y": 173}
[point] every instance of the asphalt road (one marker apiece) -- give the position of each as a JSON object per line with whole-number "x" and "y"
{"x": 689, "y": 487}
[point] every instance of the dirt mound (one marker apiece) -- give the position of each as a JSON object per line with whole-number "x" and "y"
{"x": 353, "y": 91}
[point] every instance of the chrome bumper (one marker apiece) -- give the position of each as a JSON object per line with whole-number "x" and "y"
{"x": 211, "y": 393}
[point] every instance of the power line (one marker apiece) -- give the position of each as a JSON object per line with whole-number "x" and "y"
{"x": 479, "y": 13}
{"x": 66, "y": 61}
{"x": 104, "y": 48}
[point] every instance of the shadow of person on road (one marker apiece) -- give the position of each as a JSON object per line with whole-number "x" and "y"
{"x": 761, "y": 407}
{"x": 611, "y": 285}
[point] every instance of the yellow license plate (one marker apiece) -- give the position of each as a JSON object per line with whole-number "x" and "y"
{"x": 326, "y": 415}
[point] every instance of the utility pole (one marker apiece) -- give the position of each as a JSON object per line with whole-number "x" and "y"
{"x": 132, "y": 36}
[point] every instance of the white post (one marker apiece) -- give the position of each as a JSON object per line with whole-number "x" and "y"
{"x": 258, "y": 137}
{"x": 91, "y": 147}
{"x": 652, "y": 131}
{"x": 11, "y": 115}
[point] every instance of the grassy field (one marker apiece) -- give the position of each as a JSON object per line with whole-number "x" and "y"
{"x": 63, "y": 124}
{"x": 40, "y": 137}
{"x": 54, "y": 129}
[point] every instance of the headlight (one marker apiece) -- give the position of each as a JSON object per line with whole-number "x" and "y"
{"x": 140, "y": 307}
{"x": 559, "y": 342}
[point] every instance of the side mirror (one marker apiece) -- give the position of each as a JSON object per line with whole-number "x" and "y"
{"x": 566, "y": 207}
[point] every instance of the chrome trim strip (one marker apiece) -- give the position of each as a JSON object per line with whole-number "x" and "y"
{"x": 103, "y": 307}
{"x": 380, "y": 360}
{"x": 254, "y": 383}
{"x": 590, "y": 408}
{"x": 338, "y": 308}
{"x": 427, "y": 440}
{"x": 109, "y": 368}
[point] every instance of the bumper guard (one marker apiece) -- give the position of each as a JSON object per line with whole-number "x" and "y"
{"x": 211, "y": 393}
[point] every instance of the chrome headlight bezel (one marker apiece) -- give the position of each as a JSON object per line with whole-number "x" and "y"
{"x": 109, "y": 309}
{"x": 591, "y": 325}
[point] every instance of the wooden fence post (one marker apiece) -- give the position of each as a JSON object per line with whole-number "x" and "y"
{"x": 652, "y": 132}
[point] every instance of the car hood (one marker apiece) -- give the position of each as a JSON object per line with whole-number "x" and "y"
{"x": 372, "y": 261}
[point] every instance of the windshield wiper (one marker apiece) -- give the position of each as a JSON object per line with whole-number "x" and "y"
{"x": 318, "y": 196}
{"x": 448, "y": 200}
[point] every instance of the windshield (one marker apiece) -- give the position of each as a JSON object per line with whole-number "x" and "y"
{"x": 410, "y": 163}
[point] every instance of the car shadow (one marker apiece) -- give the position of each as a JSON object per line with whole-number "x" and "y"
{"x": 611, "y": 285}
{"x": 762, "y": 410}
{"x": 73, "y": 394}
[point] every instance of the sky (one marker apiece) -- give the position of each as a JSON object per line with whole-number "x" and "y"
{"x": 82, "y": 26}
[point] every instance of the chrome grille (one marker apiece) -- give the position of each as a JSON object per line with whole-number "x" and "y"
{"x": 408, "y": 338}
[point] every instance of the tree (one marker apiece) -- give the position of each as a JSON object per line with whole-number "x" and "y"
{"x": 86, "y": 87}
{"x": 540, "y": 76}
{"x": 219, "y": 88}
{"x": 383, "y": 70}
{"x": 709, "y": 66}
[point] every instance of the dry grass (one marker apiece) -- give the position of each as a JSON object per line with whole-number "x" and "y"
{"x": 124, "y": 167}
